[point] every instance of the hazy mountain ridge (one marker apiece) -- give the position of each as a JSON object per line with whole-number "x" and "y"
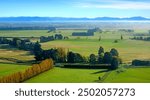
{"x": 3, "y": 19}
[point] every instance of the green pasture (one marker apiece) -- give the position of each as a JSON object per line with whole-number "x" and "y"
{"x": 130, "y": 75}
{"x": 23, "y": 33}
{"x": 128, "y": 49}
{"x": 65, "y": 32}
{"x": 7, "y": 69}
{"x": 9, "y": 52}
{"x": 66, "y": 75}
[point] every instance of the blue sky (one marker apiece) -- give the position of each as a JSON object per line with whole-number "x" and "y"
{"x": 75, "y": 8}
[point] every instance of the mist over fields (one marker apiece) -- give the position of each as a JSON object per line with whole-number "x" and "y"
{"x": 79, "y": 24}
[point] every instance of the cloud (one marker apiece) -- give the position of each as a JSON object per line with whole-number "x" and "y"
{"x": 115, "y": 4}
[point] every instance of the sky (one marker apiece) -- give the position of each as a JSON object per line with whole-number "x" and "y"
{"x": 75, "y": 8}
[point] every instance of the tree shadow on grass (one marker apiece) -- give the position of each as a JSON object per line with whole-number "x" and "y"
{"x": 102, "y": 71}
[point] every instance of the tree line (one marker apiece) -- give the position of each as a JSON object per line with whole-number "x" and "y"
{"x": 103, "y": 57}
{"x": 90, "y": 32}
{"x": 140, "y": 62}
{"x": 51, "y": 38}
{"x": 141, "y": 38}
{"x": 126, "y": 30}
{"x": 59, "y": 55}
{"x": 23, "y": 44}
{"x": 28, "y": 73}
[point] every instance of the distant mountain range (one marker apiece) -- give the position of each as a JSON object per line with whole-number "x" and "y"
{"x": 53, "y": 19}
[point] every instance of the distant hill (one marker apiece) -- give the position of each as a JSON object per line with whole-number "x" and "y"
{"x": 4, "y": 19}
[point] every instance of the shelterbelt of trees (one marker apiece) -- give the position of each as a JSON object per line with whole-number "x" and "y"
{"x": 28, "y": 73}
{"x": 90, "y": 32}
{"x": 141, "y": 38}
{"x": 51, "y": 38}
{"x": 59, "y": 55}
{"x": 140, "y": 62}
{"x": 23, "y": 44}
{"x": 26, "y": 44}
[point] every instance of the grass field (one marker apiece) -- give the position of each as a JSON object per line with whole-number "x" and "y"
{"x": 130, "y": 75}
{"x": 128, "y": 49}
{"x": 61, "y": 75}
{"x": 65, "y": 75}
{"x": 10, "y": 52}
{"x": 7, "y": 69}
{"x": 23, "y": 33}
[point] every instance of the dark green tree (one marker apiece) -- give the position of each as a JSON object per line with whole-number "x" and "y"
{"x": 100, "y": 55}
{"x": 18, "y": 44}
{"x": 107, "y": 58}
{"x": 58, "y": 36}
{"x": 23, "y": 45}
{"x": 14, "y": 41}
{"x": 78, "y": 58}
{"x": 99, "y": 38}
{"x": 116, "y": 41}
{"x": 101, "y": 50}
{"x": 114, "y": 52}
{"x": 70, "y": 57}
{"x": 100, "y": 58}
{"x": 55, "y": 55}
{"x": 114, "y": 63}
{"x": 121, "y": 37}
{"x": 5, "y": 41}
{"x": 37, "y": 50}
{"x": 92, "y": 59}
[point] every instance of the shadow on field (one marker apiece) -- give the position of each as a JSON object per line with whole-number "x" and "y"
{"x": 102, "y": 71}
{"x": 87, "y": 66}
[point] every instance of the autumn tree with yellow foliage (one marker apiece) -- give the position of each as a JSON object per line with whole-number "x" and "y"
{"x": 28, "y": 73}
